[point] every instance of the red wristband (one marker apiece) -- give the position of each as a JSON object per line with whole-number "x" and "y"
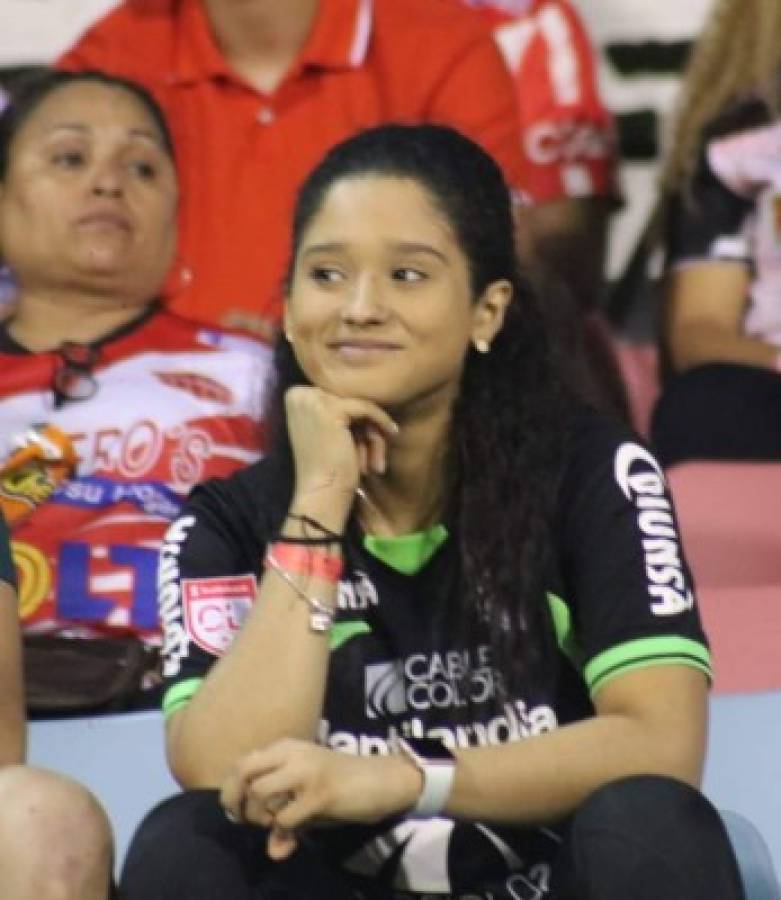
{"x": 304, "y": 560}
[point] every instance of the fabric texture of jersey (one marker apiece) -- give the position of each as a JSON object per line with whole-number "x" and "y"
{"x": 242, "y": 153}
{"x": 734, "y": 214}
{"x": 621, "y": 599}
{"x": 567, "y": 135}
{"x": 7, "y": 570}
{"x": 175, "y": 403}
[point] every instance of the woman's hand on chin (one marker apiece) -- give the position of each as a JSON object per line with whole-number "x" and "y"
{"x": 293, "y": 784}
{"x": 335, "y": 441}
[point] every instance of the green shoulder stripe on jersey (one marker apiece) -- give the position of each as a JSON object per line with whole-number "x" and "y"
{"x": 341, "y": 632}
{"x": 565, "y": 635}
{"x": 179, "y": 695}
{"x": 407, "y": 553}
{"x": 651, "y": 651}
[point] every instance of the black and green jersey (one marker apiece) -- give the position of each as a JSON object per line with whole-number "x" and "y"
{"x": 620, "y": 598}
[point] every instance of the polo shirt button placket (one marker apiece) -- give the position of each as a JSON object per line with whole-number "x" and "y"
{"x": 265, "y": 115}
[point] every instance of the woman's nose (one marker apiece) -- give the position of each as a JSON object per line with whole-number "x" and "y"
{"x": 107, "y": 181}
{"x": 364, "y": 302}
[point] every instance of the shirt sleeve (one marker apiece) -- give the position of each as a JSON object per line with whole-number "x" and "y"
{"x": 207, "y": 582}
{"x": 710, "y": 224}
{"x": 629, "y": 590}
{"x": 7, "y": 568}
{"x": 568, "y": 139}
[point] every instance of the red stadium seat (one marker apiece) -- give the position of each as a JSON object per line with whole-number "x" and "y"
{"x": 730, "y": 519}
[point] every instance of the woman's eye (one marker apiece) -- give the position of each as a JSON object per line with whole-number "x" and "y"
{"x": 325, "y": 275}
{"x": 144, "y": 169}
{"x": 69, "y": 159}
{"x": 403, "y": 273}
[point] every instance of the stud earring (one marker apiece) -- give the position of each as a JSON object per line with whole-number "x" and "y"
{"x": 288, "y": 337}
{"x": 482, "y": 346}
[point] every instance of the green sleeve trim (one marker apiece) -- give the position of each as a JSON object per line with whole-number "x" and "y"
{"x": 179, "y": 695}
{"x": 651, "y": 651}
{"x": 565, "y": 634}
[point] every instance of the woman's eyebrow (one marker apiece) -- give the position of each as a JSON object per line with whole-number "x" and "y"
{"x": 417, "y": 247}
{"x": 68, "y": 126}
{"x": 146, "y": 134}
{"x": 324, "y": 247}
{"x": 397, "y": 246}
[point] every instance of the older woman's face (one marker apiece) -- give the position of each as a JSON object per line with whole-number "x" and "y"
{"x": 89, "y": 200}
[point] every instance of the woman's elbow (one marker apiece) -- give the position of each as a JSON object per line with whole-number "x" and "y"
{"x": 188, "y": 758}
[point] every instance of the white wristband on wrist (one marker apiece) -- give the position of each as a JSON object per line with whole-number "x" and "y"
{"x": 437, "y": 765}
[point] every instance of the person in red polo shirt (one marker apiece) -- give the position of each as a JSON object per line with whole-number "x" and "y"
{"x": 256, "y": 92}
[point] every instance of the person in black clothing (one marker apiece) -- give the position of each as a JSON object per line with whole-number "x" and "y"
{"x": 442, "y": 640}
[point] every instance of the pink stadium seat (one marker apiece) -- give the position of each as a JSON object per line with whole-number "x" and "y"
{"x": 730, "y": 519}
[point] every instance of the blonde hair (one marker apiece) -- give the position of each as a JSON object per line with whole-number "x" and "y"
{"x": 738, "y": 53}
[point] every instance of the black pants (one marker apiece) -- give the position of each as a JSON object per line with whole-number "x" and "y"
{"x": 642, "y": 838}
{"x": 724, "y": 412}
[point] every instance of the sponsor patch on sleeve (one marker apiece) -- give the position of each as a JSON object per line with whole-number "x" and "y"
{"x": 215, "y": 609}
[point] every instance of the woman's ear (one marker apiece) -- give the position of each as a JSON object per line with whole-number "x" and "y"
{"x": 489, "y": 313}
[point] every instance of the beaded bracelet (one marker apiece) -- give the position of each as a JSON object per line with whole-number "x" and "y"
{"x": 321, "y": 616}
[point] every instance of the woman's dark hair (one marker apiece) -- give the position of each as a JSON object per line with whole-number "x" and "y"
{"x": 27, "y": 93}
{"x": 509, "y": 422}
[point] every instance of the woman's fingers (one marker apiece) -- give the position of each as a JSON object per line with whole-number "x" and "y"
{"x": 263, "y": 810}
{"x": 299, "y": 810}
{"x": 372, "y": 449}
{"x": 281, "y": 842}
{"x": 363, "y": 456}
{"x": 235, "y": 790}
{"x": 368, "y": 414}
{"x": 378, "y": 447}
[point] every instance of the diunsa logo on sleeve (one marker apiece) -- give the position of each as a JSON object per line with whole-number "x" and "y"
{"x": 641, "y": 480}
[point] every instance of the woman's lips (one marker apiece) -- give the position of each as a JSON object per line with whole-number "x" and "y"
{"x": 104, "y": 219}
{"x": 364, "y": 349}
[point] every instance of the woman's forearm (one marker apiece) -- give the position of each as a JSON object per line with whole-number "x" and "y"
{"x": 269, "y": 685}
{"x": 649, "y": 721}
{"x": 697, "y": 344}
{"x": 545, "y": 778}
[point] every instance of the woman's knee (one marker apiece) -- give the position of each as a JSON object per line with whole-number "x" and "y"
{"x": 652, "y": 836}
{"x": 645, "y": 801}
{"x": 54, "y": 834}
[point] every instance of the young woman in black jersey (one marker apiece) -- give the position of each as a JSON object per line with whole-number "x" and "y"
{"x": 442, "y": 640}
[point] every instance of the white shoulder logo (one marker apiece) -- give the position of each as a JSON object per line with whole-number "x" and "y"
{"x": 641, "y": 480}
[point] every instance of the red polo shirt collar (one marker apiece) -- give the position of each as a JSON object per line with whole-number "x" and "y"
{"x": 339, "y": 40}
